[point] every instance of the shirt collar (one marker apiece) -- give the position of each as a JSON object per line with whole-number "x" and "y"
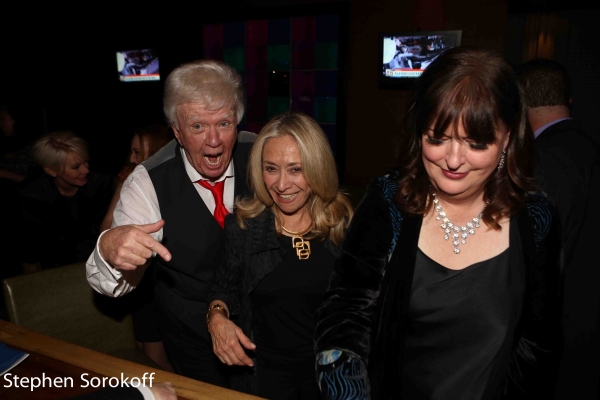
{"x": 195, "y": 175}
{"x": 541, "y": 129}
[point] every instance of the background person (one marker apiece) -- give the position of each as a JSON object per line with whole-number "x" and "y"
{"x": 280, "y": 247}
{"x": 16, "y": 164}
{"x": 568, "y": 169}
{"x": 145, "y": 142}
{"x": 62, "y": 207}
{"x": 448, "y": 286}
{"x": 164, "y": 200}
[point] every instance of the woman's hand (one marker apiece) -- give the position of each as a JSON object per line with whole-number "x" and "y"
{"x": 228, "y": 340}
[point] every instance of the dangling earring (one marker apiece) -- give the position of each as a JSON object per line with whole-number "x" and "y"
{"x": 502, "y": 159}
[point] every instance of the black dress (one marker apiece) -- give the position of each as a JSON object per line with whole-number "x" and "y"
{"x": 283, "y": 306}
{"x": 272, "y": 297}
{"x": 455, "y": 316}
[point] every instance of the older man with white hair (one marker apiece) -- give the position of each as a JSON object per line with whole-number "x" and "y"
{"x": 171, "y": 213}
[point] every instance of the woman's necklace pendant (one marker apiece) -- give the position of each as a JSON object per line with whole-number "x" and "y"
{"x": 301, "y": 245}
{"x": 458, "y": 234}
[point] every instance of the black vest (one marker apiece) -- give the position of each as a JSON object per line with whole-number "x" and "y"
{"x": 191, "y": 233}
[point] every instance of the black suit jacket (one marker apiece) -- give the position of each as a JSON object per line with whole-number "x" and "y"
{"x": 568, "y": 169}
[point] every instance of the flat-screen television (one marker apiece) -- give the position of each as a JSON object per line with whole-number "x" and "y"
{"x": 138, "y": 65}
{"x": 403, "y": 56}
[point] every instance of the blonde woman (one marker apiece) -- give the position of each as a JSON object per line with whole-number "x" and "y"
{"x": 63, "y": 207}
{"x": 280, "y": 247}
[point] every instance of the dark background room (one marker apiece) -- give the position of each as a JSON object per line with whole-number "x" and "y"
{"x": 59, "y": 70}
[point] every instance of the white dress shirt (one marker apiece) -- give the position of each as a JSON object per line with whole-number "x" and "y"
{"x": 146, "y": 392}
{"x": 138, "y": 205}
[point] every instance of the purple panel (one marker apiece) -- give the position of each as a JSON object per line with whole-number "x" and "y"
{"x": 279, "y": 31}
{"x": 303, "y": 56}
{"x": 257, "y": 32}
{"x": 304, "y": 104}
{"x": 257, "y": 86}
{"x": 326, "y": 83}
{"x": 256, "y": 57}
{"x": 303, "y": 30}
{"x": 213, "y": 42}
{"x": 303, "y": 84}
{"x": 234, "y": 34}
{"x": 257, "y": 38}
{"x": 328, "y": 27}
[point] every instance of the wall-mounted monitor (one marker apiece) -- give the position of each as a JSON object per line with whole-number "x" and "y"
{"x": 403, "y": 56}
{"x": 138, "y": 65}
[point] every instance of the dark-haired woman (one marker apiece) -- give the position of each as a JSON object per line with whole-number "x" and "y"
{"x": 448, "y": 282}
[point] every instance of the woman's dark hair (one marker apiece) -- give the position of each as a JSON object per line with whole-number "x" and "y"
{"x": 156, "y": 135}
{"x": 478, "y": 89}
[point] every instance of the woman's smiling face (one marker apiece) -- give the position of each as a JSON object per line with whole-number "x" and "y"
{"x": 283, "y": 175}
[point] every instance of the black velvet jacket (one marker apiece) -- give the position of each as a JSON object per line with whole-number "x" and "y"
{"x": 250, "y": 254}
{"x": 364, "y": 311}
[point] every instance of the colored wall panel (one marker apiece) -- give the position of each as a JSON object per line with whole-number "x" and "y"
{"x": 328, "y": 27}
{"x": 304, "y": 29}
{"x": 286, "y": 63}
{"x": 326, "y": 83}
{"x": 279, "y": 31}
{"x": 234, "y": 56}
{"x": 326, "y": 56}
{"x": 277, "y": 105}
{"x": 257, "y": 32}
{"x": 279, "y": 57}
{"x": 325, "y": 109}
{"x": 303, "y": 56}
{"x": 234, "y": 34}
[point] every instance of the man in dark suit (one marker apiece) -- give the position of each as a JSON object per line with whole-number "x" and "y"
{"x": 169, "y": 215}
{"x": 568, "y": 169}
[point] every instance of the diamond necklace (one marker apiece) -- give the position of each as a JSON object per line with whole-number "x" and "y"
{"x": 459, "y": 234}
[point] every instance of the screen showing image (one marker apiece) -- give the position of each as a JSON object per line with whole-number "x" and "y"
{"x": 408, "y": 55}
{"x": 138, "y": 65}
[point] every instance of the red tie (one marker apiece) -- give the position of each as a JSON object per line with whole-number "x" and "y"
{"x": 217, "y": 191}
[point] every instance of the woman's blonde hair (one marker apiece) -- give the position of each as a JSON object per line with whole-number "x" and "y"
{"x": 51, "y": 150}
{"x": 329, "y": 208}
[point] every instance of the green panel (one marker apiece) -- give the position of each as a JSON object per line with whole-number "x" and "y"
{"x": 326, "y": 56}
{"x": 325, "y": 110}
{"x": 277, "y": 105}
{"x": 234, "y": 56}
{"x": 279, "y": 57}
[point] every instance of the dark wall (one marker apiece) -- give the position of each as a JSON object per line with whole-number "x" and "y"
{"x": 61, "y": 66}
{"x": 60, "y": 73}
{"x": 375, "y": 115}
{"x": 569, "y": 37}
